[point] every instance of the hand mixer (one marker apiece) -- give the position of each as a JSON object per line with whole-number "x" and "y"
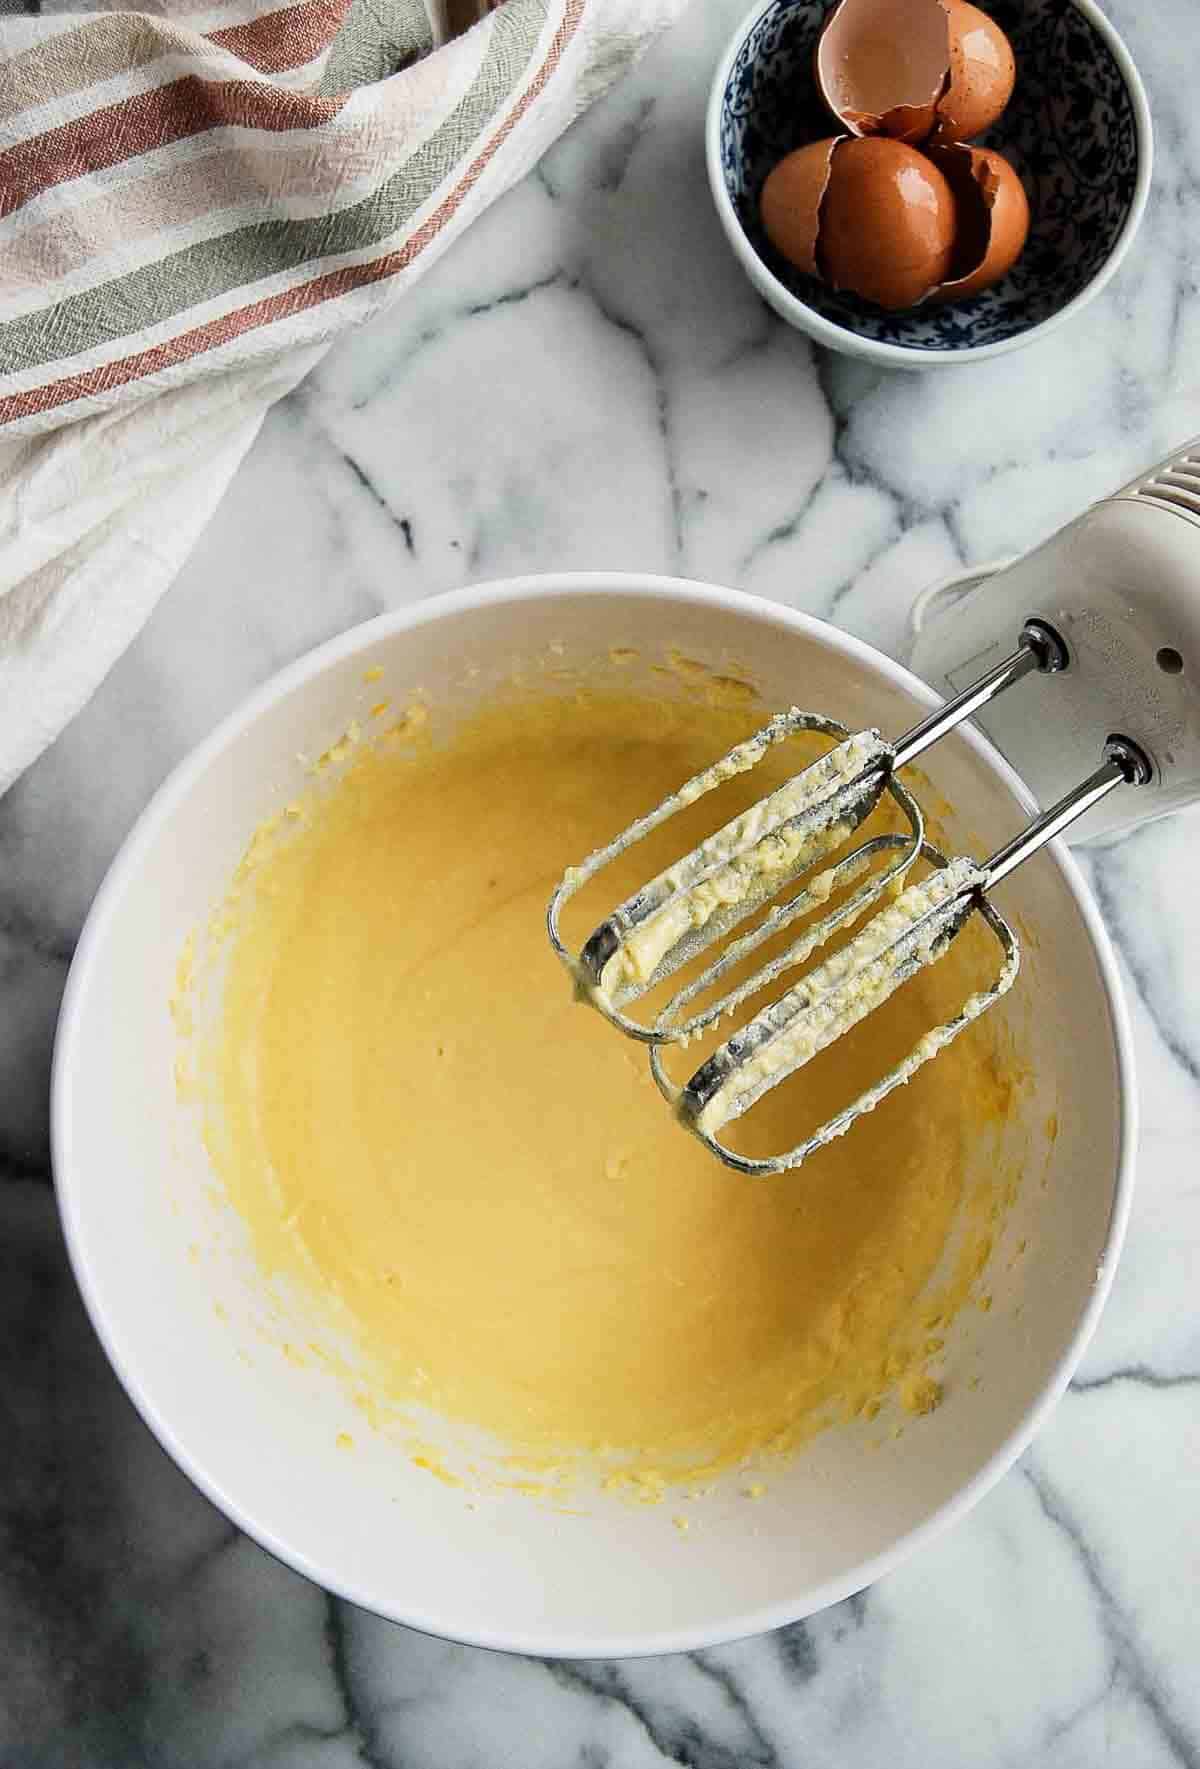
{"x": 1118, "y": 628}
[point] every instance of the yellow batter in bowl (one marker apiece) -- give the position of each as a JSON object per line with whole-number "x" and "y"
{"x": 472, "y": 1177}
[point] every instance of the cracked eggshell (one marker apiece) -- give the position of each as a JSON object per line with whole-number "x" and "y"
{"x": 993, "y": 218}
{"x": 982, "y": 73}
{"x": 912, "y": 69}
{"x": 791, "y": 200}
{"x": 881, "y": 66}
{"x": 887, "y": 223}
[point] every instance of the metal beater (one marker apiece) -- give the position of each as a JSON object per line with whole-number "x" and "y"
{"x": 787, "y": 838}
{"x": 1120, "y": 630}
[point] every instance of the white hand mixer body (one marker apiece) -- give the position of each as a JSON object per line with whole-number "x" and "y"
{"x": 1110, "y": 607}
{"x": 1121, "y": 586}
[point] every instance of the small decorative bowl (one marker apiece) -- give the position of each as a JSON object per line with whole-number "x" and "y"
{"x": 1077, "y": 129}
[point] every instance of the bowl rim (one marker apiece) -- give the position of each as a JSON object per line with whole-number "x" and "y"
{"x": 69, "y": 1165}
{"x": 837, "y": 337}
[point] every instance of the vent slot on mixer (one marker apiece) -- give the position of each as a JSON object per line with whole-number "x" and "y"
{"x": 1177, "y": 486}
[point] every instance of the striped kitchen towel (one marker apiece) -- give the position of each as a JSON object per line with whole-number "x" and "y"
{"x": 194, "y": 199}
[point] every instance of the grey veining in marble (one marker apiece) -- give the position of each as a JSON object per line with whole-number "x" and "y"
{"x": 588, "y": 381}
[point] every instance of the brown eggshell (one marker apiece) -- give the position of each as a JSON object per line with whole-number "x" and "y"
{"x": 982, "y": 73}
{"x": 993, "y": 218}
{"x": 791, "y": 203}
{"x": 887, "y": 223}
{"x": 882, "y": 65}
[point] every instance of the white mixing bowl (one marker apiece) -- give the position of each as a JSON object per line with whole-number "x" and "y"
{"x": 163, "y": 1266}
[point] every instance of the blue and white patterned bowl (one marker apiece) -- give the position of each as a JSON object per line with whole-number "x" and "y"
{"x": 1077, "y": 130}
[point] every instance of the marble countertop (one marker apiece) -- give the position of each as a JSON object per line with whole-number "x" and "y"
{"x": 588, "y": 381}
